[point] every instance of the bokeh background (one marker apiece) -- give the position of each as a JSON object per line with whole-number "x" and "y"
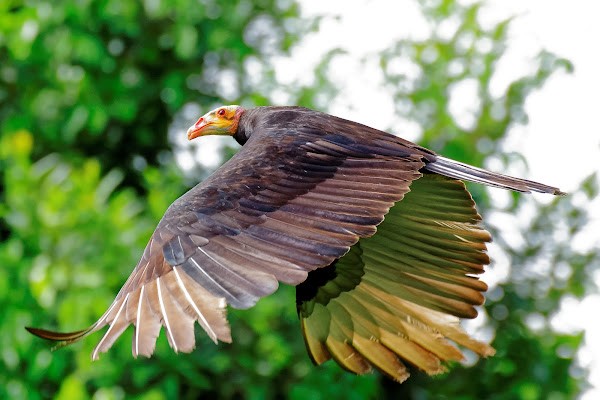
{"x": 95, "y": 97}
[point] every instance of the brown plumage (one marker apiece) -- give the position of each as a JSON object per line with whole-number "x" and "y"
{"x": 303, "y": 203}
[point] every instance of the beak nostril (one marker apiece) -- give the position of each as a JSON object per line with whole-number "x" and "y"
{"x": 200, "y": 121}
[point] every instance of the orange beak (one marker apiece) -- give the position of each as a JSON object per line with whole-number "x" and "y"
{"x": 196, "y": 130}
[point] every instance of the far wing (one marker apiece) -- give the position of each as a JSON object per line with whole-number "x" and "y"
{"x": 396, "y": 297}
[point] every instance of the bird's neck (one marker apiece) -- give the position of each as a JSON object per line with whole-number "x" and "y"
{"x": 244, "y": 126}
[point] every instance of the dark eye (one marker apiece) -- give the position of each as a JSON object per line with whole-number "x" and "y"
{"x": 221, "y": 112}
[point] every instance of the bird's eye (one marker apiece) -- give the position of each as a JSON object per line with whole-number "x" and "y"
{"x": 221, "y": 112}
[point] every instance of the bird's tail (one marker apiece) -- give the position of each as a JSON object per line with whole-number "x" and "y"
{"x": 455, "y": 169}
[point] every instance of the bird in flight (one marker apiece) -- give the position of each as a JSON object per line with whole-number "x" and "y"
{"x": 379, "y": 235}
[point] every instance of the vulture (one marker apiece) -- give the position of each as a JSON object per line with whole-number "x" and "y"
{"x": 379, "y": 235}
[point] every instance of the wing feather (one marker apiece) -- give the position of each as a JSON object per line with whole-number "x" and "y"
{"x": 395, "y": 297}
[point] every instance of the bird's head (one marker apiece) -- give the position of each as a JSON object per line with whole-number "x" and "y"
{"x": 220, "y": 121}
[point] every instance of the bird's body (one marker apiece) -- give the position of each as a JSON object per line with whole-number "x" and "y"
{"x": 379, "y": 235}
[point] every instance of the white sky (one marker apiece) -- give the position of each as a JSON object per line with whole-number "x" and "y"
{"x": 561, "y": 141}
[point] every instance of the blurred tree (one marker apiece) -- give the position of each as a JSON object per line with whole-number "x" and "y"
{"x": 105, "y": 78}
{"x": 101, "y": 81}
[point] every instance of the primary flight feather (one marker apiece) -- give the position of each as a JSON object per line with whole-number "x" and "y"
{"x": 379, "y": 235}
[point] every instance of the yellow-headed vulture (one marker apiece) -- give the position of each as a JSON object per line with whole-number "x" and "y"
{"x": 379, "y": 235}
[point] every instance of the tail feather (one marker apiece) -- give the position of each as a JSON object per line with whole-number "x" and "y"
{"x": 455, "y": 169}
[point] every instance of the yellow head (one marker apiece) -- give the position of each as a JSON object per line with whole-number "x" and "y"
{"x": 220, "y": 121}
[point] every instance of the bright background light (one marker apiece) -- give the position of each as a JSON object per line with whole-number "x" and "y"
{"x": 561, "y": 141}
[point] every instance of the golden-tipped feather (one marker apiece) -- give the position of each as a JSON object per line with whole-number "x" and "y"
{"x": 417, "y": 279}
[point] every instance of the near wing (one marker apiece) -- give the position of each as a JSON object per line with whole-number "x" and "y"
{"x": 286, "y": 204}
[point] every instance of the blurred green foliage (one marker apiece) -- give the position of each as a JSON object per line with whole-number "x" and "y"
{"x": 104, "y": 78}
{"x": 87, "y": 92}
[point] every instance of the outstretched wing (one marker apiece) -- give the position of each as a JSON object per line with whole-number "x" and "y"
{"x": 396, "y": 296}
{"x": 286, "y": 204}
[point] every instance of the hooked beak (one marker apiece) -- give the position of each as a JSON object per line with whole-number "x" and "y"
{"x": 196, "y": 130}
